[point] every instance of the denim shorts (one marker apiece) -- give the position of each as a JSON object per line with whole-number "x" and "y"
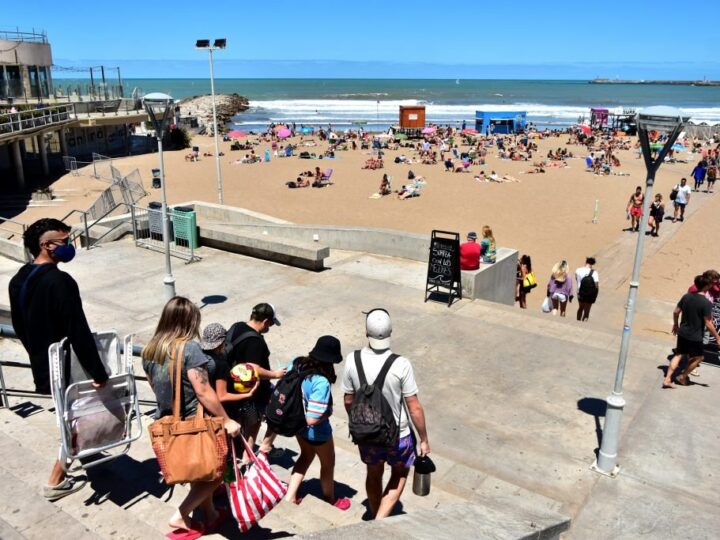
{"x": 403, "y": 453}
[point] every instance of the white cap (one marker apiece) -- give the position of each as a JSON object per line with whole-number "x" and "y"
{"x": 378, "y": 328}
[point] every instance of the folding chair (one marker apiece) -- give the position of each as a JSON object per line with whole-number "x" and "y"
{"x": 93, "y": 421}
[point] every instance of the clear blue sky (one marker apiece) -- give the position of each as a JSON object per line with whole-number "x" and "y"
{"x": 416, "y": 38}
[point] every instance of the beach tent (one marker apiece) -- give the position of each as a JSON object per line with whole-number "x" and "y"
{"x": 500, "y": 121}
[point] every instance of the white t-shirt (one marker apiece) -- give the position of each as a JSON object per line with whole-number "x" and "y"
{"x": 399, "y": 382}
{"x": 682, "y": 193}
{"x": 583, "y": 271}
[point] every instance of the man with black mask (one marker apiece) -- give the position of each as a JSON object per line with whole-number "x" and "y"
{"x": 46, "y": 307}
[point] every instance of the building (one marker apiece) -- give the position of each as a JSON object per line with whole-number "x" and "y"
{"x": 502, "y": 122}
{"x": 39, "y": 126}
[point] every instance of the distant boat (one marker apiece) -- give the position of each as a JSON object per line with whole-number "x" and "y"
{"x": 500, "y": 95}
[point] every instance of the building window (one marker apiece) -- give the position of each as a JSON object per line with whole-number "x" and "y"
{"x": 44, "y": 83}
{"x": 34, "y": 81}
{"x": 13, "y": 82}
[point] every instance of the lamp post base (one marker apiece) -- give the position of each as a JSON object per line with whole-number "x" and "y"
{"x": 169, "y": 282}
{"x": 611, "y": 474}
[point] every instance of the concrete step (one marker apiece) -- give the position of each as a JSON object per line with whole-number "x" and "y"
{"x": 464, "y": 520}
{"x": 29, "y": 449}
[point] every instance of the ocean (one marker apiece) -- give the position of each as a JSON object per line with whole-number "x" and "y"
{"x": 374, "y": 103}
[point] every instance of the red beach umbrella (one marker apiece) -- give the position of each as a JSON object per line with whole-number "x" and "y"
{"x": 470, "y": 131}
{"x": 428, "y": 130}
{"x": 283, "y": 133}
{"x": 236, "y": 134}
{"x": 585, "y": 129}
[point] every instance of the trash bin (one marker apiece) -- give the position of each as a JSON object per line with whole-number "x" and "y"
{"x": 156, "y": 222}
{"x": 185, "y": 226}
{"x": 156, "y": 179}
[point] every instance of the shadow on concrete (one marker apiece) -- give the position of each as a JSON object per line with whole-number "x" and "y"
{"x": 282, "y": 457}
{"x": 596, "y": 408}
{"x": 212, "y": 299}
{"x": 312, "y": 487}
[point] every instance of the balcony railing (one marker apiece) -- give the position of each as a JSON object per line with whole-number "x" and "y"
{"x": 16, "y": 35}
{"x": 36, "y": 118}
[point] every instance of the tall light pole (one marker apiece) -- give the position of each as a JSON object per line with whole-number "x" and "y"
{"x": 669, "y": 121}
{"x": 160, "y": 108}
{"x": 218, "y": 44}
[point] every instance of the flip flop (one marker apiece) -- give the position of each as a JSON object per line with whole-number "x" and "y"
{"x": 195, "y": 531}
{"x": 342, "y": 504}
{"x": 223, "y": 514}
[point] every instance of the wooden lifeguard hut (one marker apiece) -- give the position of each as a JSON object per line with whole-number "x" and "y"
{"x": 412, "y": 116}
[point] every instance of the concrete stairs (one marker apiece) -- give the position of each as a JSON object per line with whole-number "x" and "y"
{"x": 126, "y": 499}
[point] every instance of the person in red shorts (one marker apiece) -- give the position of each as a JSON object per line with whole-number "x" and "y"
{"x": 635, "y": 208}
{"x": 470, "y": 253}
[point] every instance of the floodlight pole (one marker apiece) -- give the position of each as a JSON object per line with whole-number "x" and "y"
{"x": 606, "y": 462}
{"x": 215, "y": 129}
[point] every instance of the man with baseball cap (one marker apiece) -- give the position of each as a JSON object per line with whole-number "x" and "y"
{"x": 470, "y": 253}
{"x": 399, "y": 387}
{"x": 245, "y": 343}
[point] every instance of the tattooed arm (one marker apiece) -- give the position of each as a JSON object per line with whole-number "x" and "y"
{"x": 200, "y": 381}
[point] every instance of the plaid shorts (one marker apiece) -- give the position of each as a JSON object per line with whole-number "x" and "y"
{"x": 403, "y": 453}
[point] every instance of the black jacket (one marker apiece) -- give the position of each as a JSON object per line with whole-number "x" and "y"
{"x": 52, "y": 311}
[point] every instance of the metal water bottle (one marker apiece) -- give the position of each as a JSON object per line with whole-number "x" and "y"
{"x": 424, "y": 466}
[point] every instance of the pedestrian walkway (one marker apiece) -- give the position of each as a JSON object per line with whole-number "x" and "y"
{"x": 513, "y": 399}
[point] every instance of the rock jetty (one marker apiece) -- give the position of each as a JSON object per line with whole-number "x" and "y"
{"x": 227, "y": 106}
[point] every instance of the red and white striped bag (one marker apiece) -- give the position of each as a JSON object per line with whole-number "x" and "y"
{"x": 255, "y": 493}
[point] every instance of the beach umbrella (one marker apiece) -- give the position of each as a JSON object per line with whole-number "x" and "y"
{"x": 400, "y": 136}
{"x": 679, "y": 147}
{"x": 236, "y": 134}
{"x": 284, "y": 132}
{"x": 585, "y": 129}
{"x": 307, "y": 130}
{"x": 470, "y": 131}
{"x": 428, "y": 130}
{"x": 656, "y": 146}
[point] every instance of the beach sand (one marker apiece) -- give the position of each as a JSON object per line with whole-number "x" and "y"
{"x": 548, "y": 216}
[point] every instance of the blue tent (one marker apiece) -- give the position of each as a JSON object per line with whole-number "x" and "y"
{"x": 500, "y": 121}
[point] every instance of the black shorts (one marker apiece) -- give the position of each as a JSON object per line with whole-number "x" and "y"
{"x": 250, "y": 413}
{"x": 692, "y": 348}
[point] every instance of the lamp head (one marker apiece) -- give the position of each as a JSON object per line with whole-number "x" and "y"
{"x": 202, "y": 44}
{"x": 660, "y": 118}
{"x": 220, "y": 43}
{"x": 159, "y": 106}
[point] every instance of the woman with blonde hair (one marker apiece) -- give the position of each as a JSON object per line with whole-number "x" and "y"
{"x": 560, "y": 288}
{"x": 178, "y": 329}
{"x": 488, "y": 250}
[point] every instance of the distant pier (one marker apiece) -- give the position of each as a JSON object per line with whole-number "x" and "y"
{"x": 671, "y": 83}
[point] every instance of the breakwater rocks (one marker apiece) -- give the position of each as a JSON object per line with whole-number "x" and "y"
{"x": 227, "y": 106}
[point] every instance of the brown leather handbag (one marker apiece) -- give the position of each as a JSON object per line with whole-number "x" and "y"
{"x": 190, "y": 450}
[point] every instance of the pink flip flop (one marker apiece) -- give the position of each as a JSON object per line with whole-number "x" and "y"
{"x": 342, "y": 504}
{"x": 193, "y": 533}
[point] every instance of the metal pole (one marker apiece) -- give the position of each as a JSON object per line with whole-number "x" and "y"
{"x": 169, "y": 280}
{"x": 215, "y": 129}
{"x": 606, "y": 462}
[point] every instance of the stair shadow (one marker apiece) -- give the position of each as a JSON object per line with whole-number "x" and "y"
{"x": 312, "y": 487}
{"x": 596, "y": 408}
{"x": 26, "y": 408}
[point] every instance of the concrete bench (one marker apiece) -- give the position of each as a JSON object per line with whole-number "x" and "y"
{"x": 308, "y": 255}
{"x": 493, "y": 282}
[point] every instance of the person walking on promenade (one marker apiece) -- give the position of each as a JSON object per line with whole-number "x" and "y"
{"x": 400, "y": 391}
{"x": 696, "y": 312}
{"x": 488, "y": 249}
{"x": 588, "y": 287}
{"x": 246, "y": 344}
{"x": 45, "y": 307}
{"x": 317, "y": 438}
{"x": 179, "y": 325}
{"x": 713, "y": 295}
{"x": 657, "y": 213}
{"x": 711, "y": 177}
{"x": 682, "y": 199}
{"x": 698, "y": 174}
{"x": 635, "y": 208}
{"x": 560, "y": 288}
{"x": 470, "y": 253}
{"x": 524, "y": 284}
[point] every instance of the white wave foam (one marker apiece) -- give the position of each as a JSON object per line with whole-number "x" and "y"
{"x": 339, "y": 110}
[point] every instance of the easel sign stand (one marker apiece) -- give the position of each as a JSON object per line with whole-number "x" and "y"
{"x": 443, "y": 277}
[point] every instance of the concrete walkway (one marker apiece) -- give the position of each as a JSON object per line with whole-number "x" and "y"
{"x": 513, "y": 399}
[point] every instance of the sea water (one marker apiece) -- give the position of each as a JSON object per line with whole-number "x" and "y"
{"x": 374, "y": 103}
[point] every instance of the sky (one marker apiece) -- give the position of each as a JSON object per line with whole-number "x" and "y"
{"x": 379, "y": 38}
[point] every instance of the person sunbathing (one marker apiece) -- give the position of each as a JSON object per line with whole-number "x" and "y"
{"x": 407, "y": 191}
{"x": 302, "y": 182}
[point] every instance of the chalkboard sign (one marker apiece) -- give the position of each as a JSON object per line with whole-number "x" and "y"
{"x": 443, "y": 268}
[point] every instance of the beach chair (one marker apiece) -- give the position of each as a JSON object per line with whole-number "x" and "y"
{"x": 325, "y": 178}
{"x": 589, "y": 163}
{"x": 94, "y": 421}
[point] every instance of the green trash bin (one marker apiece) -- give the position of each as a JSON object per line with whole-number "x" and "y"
{"x": 185, "y": 227}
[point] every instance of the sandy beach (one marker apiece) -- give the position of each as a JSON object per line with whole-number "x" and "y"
{"x": 548, "y": 216}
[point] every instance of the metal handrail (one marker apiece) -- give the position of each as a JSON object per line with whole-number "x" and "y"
{"x": 16, "y": 35}
{"x": 18, "y": 122}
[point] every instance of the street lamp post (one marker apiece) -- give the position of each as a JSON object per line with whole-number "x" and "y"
{"x": 218, "y": 44}
{"x": 160, "y": 108}
{"x": 670, "y": 121}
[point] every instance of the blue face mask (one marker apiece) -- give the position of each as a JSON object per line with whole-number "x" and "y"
{"x": 64, "y": 253}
